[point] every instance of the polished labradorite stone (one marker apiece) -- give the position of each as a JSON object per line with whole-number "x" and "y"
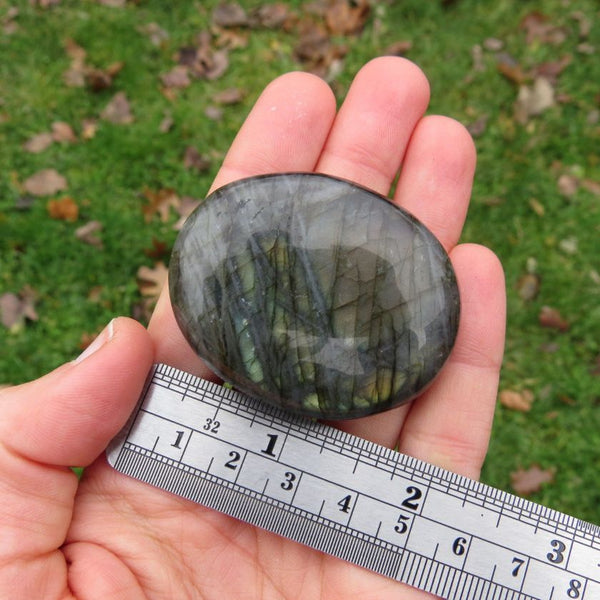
{"x": 314, "y": 294}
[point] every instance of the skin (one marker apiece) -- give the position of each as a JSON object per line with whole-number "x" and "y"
{"x": 112, "y": 537}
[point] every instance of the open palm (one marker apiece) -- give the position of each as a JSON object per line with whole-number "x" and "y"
{"x": 112, "y": 537}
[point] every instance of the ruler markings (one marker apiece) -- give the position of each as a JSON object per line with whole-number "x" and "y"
{"x": 402, "y": 559}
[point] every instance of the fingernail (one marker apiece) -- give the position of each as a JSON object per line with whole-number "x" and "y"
{"x": 104, "y": 336}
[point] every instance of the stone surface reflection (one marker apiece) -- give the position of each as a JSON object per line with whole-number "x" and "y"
{"x": 314, "y": 294}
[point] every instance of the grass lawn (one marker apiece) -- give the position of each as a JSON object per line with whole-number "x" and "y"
{"x": 536, "y": 198}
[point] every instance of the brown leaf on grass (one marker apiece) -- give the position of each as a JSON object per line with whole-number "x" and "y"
{"x": 118, "y": 110}
{"x": 44, "y": 3}
{"x": 63, "y": 209}
{"x": 214, "y": 113}
{"x": 158, "y": 250}
{"x": 528, "y": 286}
{"x": 155, "y": 32}
{"x": 15, "y": 309}
{"x": 159, "y": 203}
{"x": 74, "y": 76}
{"x": 528, "y": 481}
{"x": 552, "y": 69}
{"x": 568, "y": 184}
{"x": 537, "y": 207}
{"x": 345, "y": 17}
{"x": 167, "y": 123}
{"x": 63, "y": 132}
{"x": 534, "y": 100}
{"x": 399, "y": 48}
{"x": 88, "y": 233}
{"x": 9, "y": 23}
{"x": 551, "y": 318}
{"x": 229, "y": 14}
{"x": 151, "y": 280}
{"x": 185, "y": 209}
{"x": 88, "y": 128}
{"x": 271, "y": 16}
{"x": 538, "y": 28}
{"x": 38, "y": 143}
{"x": 178, "y": 77}
{"x": 584, "y": 23}
{"x": 520, "y": 401}
{"x": 315, "y": 50}
{"x": 511, "y": 69}
{"x": 100, "y": 79}
{"x": 45, "y": 183}
{"x": 477, "y": 128}
{"x": 113, "y": 3}
{"x": 591, "y": 186}
{"x": 192, "y": 159}
{"x": 229, "y": 96}
{"x": 202, "y": 59}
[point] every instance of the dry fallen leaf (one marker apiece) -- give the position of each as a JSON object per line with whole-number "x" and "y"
{"x": 568, "y": 184}
{"x": 192, "y": 159}
{"x": 156, "y": 33}
{"x": 151, "y": 280}
{"x": 229, "y": 14}
{"x": 591, "y": 186}
{"x": 528, "y": 286}
{"x": 88, "y": 233}
{"x": 38, "y": 143}
{"x": 315, "y": 50}
{"x": 159, "y": 203}
{"x": 88, "y": 128}
{"x": 63, "y": 209}
{"x": 45, "y": 183}
{"x": 520, "y": 401}
{"x": 167, "y": 123}
{"x": 158, "y": 250}
{"x": 229, "y": 96}
{"x": 344, "y": 17}
{"x": 537, "y": 207}
{"x": 14, "y": 309}
{"x": 271, "y": 16}
{"x": 118, "y": 110}
{"x": 177, "y": 77}
{"x": 202, "y": 60}
{"x": 528, "y": 481}
{"x": 74, "y": 76}
{"x": 63, "y": 132}
{"x": 101, "y": 79}
{"x": 534, "y": 100}
{"x": 551, "y": 318}
{"x": 399, "y": 48}
{"x": 538, "y": 28}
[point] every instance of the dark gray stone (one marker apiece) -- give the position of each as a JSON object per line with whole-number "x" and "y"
{"x": 314, "y": 294}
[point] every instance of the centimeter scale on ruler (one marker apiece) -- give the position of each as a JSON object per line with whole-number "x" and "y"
{"x": 454, "y": 537}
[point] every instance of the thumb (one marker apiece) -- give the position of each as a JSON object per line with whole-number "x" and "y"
{"x": 67, "y": 417}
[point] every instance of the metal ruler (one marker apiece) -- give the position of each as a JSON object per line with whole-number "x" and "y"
{"x": 408, "y": 520}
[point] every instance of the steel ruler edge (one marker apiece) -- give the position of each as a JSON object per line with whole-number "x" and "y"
{"x": 411, "y": 521}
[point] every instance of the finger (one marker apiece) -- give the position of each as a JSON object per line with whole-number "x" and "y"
{"x": 67, "y": 417}
{"x": 285, "y": 131}
{"x": 450, "y": 424}
{"x": 372, "y": 129}
{"x": 437, "y": 175}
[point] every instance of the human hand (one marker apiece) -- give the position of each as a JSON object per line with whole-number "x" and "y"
{"x": 114, "y": 537}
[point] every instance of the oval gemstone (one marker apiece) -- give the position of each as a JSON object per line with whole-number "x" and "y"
{"x": 314, "y": 294}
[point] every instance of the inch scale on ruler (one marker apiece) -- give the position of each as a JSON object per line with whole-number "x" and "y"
{"x": 454, "y": 537}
